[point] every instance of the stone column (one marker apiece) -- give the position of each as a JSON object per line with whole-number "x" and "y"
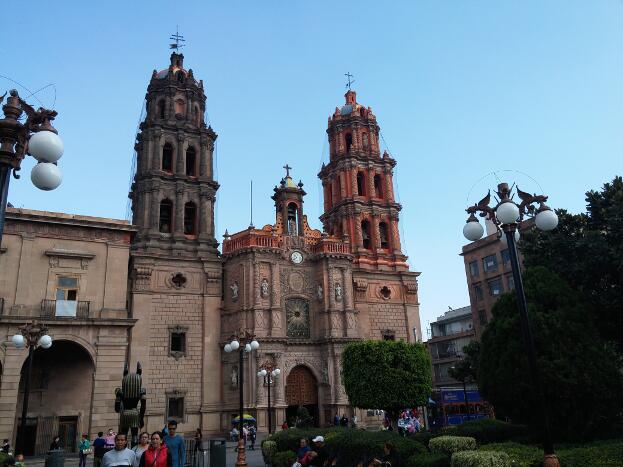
{"x": 144, "y": 208}
{"x": 154, "y": 215}
{"x": 377, "y": 231}
{"x": 179, "y": 154}
{"x": 358, "y": 232}
{"x": 157, "y": 150}
{"x": 389, "y": 191}
{"x": 204, "y": 214}
{"x": 370, "y": 182}
{"x": 395, "y": 234}
{"x": 343, "y": 180}
{"x": 203, "y": 162}
{"x": 353, "y": 180}
{"x": 178, "y": 211}
{"x": 334, "y": 193}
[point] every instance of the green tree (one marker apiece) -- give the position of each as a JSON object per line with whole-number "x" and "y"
{"x": 581, "y": 382}
{"x": 386, "y": 375}
{"x": 586, "y": 250}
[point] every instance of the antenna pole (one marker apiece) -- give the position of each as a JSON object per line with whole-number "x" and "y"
{"x": 251, "y": 203}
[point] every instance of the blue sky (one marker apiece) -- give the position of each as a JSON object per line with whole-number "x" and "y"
{"x": 460, "y": 89}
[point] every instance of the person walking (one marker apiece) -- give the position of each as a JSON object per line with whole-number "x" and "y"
{"x": 141, "y": 447}
{"x": 336, "y": 420}
{"x": 175, "y": 445}
{"x": 55, "y": 445}
{"x": 84, "y": 449}
{"x": 157, "y": 454}
{"x": 252, "y": 437}
{"x": 99, "y": 449}
{"x": 120, "y": 456}
{"x": 344, "y": 421}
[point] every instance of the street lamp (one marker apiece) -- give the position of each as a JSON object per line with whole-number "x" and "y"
{"x": 244, "y": 342}
{"x": 36, "y": 137}
{"x": 31, "y": 335}
{"x": 506, "y": 216}
{"x": 268, "y": 372}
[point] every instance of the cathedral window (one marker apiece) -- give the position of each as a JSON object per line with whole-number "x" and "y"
{"x": 349, "y": 141}
{"x": 180, "y": 107}
{"x": 190, "y": 218}
{"x": 177, "y": 342}
{"x": 175, "y": 407}
{"x": 292, "y": 219}
{"x": 365, "y": 233}
{"x": 383, "y": 235}
{"x": 166, "y": 212}
{"x": 167, "y": 158}
{"x": 378, "y": 186}
{"x": 160, "y": 109}
{"x": 191, "y": 162}
{"x": 361, "y": 184}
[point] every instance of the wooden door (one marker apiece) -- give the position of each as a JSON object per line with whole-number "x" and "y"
{"x": 301, "y": 387}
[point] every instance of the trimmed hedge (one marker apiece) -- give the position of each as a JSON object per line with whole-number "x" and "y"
{"x": 480, "y": 459}
{"x": 289, "y": 439}
{"x": 448, "y": 445}
{"x": 283, "y": 459}
{"x": 422, "y": 437}
{"x": 521, "y": 455}
{"x": 488, "y": 431}
{"x": 269, "y": 449}
{"x": 602, "y": 453}
{"x": 428, "y": 460}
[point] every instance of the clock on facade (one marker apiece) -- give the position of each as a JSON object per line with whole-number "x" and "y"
{"x": 296, "y": 257}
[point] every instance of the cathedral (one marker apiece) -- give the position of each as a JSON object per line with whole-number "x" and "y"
{"x": 162, "y": 291}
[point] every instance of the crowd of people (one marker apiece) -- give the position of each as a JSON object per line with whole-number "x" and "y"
{"x": 249, "y": 435}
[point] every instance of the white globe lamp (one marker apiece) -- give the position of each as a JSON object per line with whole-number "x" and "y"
{"x": 472, "y": 230}
{"x": 263, "y": 373}
{"x": 255, "y": 345}
{"x": 45, "y": 146}
{"x": 277, "y": 371}
{"x": 227, "y": 348}
{"x": 46, "y": 176}
{"x": 247, "y": 348}
{"x": 18, "y": 341}
{"x": 546, "y": 219}
{"x": 45, "y": 341}
{"x": 517, "y": 237}
{"x": 235, "y": 345}
{"x": 507, "y": 212}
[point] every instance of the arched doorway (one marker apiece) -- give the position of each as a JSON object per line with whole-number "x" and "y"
{"x": 301, "y": 391}
{"x": 61, "y": 392}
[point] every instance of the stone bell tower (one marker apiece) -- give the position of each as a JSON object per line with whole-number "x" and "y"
{"x": 175, "y": 269}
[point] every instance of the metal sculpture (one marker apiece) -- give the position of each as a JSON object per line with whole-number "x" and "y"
{"x": 131, "y": 402}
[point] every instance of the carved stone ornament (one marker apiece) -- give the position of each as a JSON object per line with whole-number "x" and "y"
{"x": 264, "y": 288}
{"x": 178, "y": 280}
{"x": 338, "y": 291}
{"x": 234, "y": 291}
{"x": 142, "y": 277}
{"x": 319, "y": 292}
{"x": 233, "y": 377}
{"x": 411, "y": 288}
{"x": 360, "y": 285}
{"x": 297, "y": 318}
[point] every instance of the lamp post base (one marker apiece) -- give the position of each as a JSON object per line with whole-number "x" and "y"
{"x": 241, "y": 460}
{"x": 551, "y": 460}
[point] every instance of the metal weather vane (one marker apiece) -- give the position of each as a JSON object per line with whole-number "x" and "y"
{"x": 177, "y": 37}
{"x": 350, "y": 81}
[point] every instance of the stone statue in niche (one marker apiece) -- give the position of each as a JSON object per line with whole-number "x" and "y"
{"x": 264, "y": 287}
{"x": 234, "y": 291}
{"x": 234, "y": 376}
{"x": 338, "y": 291}
{"x": 319, "y": 292}
{"x": 325, "y": 374}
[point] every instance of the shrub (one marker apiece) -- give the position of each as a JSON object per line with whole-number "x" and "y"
{"x": 428, "y": 460}
{"x": 269, "y": 449}
{"x": 448, "y": 445}
{"x": 600, "y": 453}
{"x": 422, "y": 437}
{"x": 488, "y": 431}
{"x": 521, "y": 455}
{"x": 284, "y": 459}
{"x": 289, "y": 439}
{"x": 480, "y": 459}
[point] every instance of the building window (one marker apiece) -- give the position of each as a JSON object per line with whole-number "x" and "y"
{"x": 177, "y": 342}
{"x": 478, "y": 293}
{"x": 506, "y": 257}
{"x": 378, "y": 186}
{"x": 389, "y": 335}
{"x": 175, "y": 408}
{"x": 167, "y": 158}
{"x": 365, "y": 233}
{"x": 473, "y": 269}
{"x": 482, "y": 317}
{"x": 511, "y": 283}
{"x": 383, "y": 235}
{"x": 166, "y": 212}
{"x": 160, "y": 109}
{"x": 191, "y": 162}
{"x": 190, "y": 219}
{"x": 361, "y": 184}
{"x": 349, "y": 141}
{"x": 180, "y": 107}
{"x": 495, "y": 287}
{"x": 293, "y": 220}
{"x": 490, "y": 263}
{"x": 67, "y": 288}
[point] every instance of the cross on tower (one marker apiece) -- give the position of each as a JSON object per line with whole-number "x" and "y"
{"x": 288, "y": 168}
{"x": 177, "y": 37}
{"x": 349, "y": 76}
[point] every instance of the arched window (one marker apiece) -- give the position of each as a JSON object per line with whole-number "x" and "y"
{"x": 191, "y": 162}
{"x": 365, "y": 233}
{"x": 190, "y": 218}
{"x": 160, "y": 109}
{"x": 364, "y": 140}
{"x": 349, "y": 141}
{"x": 167, "y": 157}
{"x": 180, "y": 107}
{"x": 166, "y": 216}
{"x": 361, "y": 184}
{"x": 292, "y": 219}
{"x": 378, "y": 186}
{"x": 383, "y": 235}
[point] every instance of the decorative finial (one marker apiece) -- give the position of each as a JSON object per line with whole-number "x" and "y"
{"x": 350, "y": 81}
{"x": 177, "y": 37}
{"x": 288, "y": 168}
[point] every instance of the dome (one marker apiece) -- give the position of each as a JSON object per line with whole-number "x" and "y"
{"x": 346, "y": 110}
{"x": 163, "y": 73}
{"x": 290, "y": 183}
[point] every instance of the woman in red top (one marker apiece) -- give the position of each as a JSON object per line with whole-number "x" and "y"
{"x": 156, "y": 454}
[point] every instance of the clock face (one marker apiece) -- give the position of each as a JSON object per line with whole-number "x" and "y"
{"x": 296, "y": 257}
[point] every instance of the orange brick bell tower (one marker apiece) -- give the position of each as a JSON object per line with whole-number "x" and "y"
{"x": 358, "y": 189}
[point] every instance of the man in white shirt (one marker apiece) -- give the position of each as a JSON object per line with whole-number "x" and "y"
{"x": 121, "y": 456}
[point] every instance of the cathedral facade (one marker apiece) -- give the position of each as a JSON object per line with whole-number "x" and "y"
{"x": 158, "y": 291}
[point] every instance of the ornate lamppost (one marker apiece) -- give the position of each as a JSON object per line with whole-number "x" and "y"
{"x": 31, "y": 335}
{"x": 506, "y": 216}
{"x": 36, "y": 137}
{"x": 244, "y": 342}
{"x": 268, "y": 371}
